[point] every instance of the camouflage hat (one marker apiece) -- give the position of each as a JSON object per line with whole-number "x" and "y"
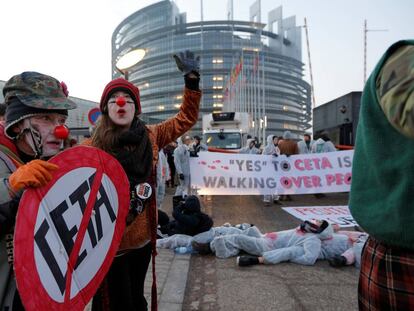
{"x": 37, "y": 90}
{"x": 31, "y": 93}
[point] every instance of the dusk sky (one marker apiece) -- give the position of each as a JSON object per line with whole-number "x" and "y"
{"x": 71, "y": 40}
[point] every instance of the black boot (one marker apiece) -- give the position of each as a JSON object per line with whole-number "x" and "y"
{"x": 276, "y": 201}
{"x": 337, "y": 261}
{"x": 201, "y": 248}
{"x": 244, "y": 261}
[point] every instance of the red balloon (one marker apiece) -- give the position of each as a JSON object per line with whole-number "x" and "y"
{"x": 61, "y": 132}
{"x": 120, "y": 101}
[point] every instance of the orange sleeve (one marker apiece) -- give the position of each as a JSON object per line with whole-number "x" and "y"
{"x": 169, "y": 130}
{"x": 86, "y": 142}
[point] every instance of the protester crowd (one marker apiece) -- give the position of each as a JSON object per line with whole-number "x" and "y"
{"x": 32, "y": 130}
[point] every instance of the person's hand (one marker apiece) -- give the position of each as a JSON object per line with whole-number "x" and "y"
{"x": 181, "y": 176}
{"x": 187, "y": 63}
{"x": 36, "y": 173}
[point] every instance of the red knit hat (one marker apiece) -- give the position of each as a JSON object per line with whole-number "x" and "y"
{"x": 120, "y": 84}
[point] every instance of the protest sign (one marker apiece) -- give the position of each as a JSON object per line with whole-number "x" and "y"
{"x": 229, "y": 174}
{"x": 333, "y": 214}
{"x": 68, "y": 231}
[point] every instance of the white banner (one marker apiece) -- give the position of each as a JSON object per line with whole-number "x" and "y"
{"x": 333, "y": 214}
{"x": 214, "y": 173}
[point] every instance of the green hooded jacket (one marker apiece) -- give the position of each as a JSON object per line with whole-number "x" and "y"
{"x": 382, "y": 190}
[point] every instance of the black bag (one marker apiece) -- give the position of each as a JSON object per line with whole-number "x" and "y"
{"x": 205, "y": 223}
{"x": 177, "y": 199}
{"x": 163, "y": 218}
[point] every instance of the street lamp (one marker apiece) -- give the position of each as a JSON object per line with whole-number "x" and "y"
{"x": 129, "y": 60}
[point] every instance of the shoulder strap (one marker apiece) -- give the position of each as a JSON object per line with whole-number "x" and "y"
{"x": 9, "y": 158}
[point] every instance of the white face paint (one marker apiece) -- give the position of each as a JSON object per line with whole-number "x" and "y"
{"x": 45, "y": 125}
{"x": 121, "y": 116}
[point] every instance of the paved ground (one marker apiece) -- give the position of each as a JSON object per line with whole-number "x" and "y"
{"x": 206, "y": 283}
{"x": 172, "y": 272}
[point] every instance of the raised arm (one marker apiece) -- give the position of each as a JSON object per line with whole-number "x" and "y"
{"x": 176, "y": 126}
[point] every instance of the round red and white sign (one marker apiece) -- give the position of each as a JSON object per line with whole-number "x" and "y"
{"x": 93, "y": 115}
{"x": 68, "y": 232}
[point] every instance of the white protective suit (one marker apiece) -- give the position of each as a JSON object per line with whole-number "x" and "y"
{"x": 356, "y": 242}
{"x": 174, "y": 241}
{"x": 291, "y": 245}
{"x": 320, "y": 146}
{"x": 335, "y": 246}
{"x": 178, "y": 240}
{"x": 353, "y": 255}
{"x": 248, "y": 150}
{"x": 163, "y": 174}
{"x": 270, "y": 149}
{"x": 304, "y": 148}
{"x": 182, "y": 165}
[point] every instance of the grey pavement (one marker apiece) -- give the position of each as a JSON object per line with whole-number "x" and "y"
{"x": 171, "y": 272}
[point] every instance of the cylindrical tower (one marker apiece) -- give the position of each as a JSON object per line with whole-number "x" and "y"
{"x": 269, "y": 84}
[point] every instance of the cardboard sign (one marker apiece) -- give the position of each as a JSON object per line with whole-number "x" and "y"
{"x": 333, "y": 214}
{"x": 214, "y": 173}
{"x": 68, "y": 232}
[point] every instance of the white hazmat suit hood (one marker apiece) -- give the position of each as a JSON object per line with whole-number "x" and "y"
{"x": 287, "y": 135}
{"x": 270, "y": 146}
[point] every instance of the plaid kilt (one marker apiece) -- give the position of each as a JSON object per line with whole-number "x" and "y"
{"x": 386, "y": 281}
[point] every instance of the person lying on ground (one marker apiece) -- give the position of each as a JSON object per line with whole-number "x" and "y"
{"x": 334, "y": 247}
{"x": 340, "y": 248}
{"x": 301, "y": 245}
{"x": 204, "y": 238}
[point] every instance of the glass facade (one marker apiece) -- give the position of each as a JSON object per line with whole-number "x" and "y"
{"x": 269, "y": 86}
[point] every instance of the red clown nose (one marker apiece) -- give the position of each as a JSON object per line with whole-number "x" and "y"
{"x": 120, "y": 101}
{"x": 61, "y": 132}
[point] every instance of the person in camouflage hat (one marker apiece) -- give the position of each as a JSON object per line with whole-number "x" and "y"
{"x": 36, "y": 104}
{"x": 29, "y": 97}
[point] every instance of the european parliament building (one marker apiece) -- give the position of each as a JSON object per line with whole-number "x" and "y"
{"x": 246, "y": 66}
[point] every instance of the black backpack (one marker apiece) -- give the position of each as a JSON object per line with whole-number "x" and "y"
{"x": 177, "y": 199}
{"x": 205, "y": 223}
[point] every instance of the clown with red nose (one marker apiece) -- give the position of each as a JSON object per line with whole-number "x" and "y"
{"x": 36, "y": 111}
{"x": 34, "y": 130}
{"x": 123, "y": 103}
